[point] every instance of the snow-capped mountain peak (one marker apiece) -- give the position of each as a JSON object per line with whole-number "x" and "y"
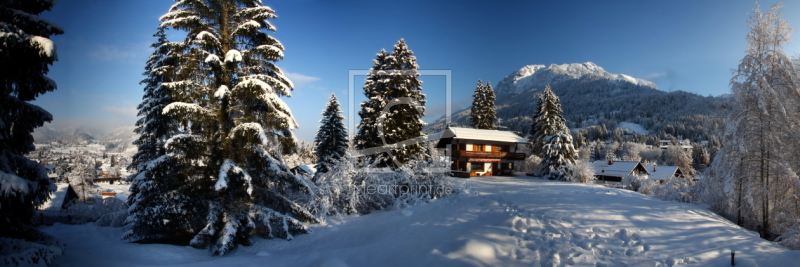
{"x": 537, "y": 76}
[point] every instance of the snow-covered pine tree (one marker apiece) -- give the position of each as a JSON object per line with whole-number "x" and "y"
{"x": 26, "y": 53}
{"x": 160, "y": 193}
{"x": 754, "y": 172}
{"x": 394, "y": 107}
{"x": 375, "y": 89}
{"x": 536, "y": 132}
{"x": 402, "y": 117}
{"x": 226, "y": 99}
{"x": 476, "y": 111}
{"x": 489, "y": 110}
{"x": 557, "y": 149}
{"x": 331, "y": 138}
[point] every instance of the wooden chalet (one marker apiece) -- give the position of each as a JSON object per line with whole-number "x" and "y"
{"x": 614, "y": 171}
{"x": 476, "y": 152}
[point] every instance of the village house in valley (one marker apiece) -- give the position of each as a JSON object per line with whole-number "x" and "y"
{"x": 476, "y": 152}
{"x": 615, "y": 171}
{"x": 663, "y": 173}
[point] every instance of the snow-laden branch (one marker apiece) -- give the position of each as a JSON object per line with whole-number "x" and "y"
{"x": 181, "y": 108}
{"x": 222, "y": 92}
{"x": 284, "y": 112}
{"x": 233, "y": 55}
{"x": 212, "y": 59}
{"x": 250, "y": 128}
{"x": 11, "y": 184}
{"x": 230, "y": 166}
{"x": 257, "y": 83}
{"x": 46, "y": 46}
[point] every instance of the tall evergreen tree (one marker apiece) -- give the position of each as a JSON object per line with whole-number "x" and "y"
{"x": 26, "y": 53}
{"x": 331, "y": 137}
{"x": 754, "y": 171}
{"x": 160, "y": 194}
{"x": 476, "y": 111}
{"x": 375, "y": 89}
{"x": 231, "y": 120}
{"x": 489, "y": 109}
{"x": 392, "y": 114}
{"x": 557, "y": 149}
{"x": 536, "y": 132}
{"x": 403, "y": 118}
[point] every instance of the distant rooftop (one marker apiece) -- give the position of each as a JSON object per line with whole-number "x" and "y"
{"x": 616, "y": 168}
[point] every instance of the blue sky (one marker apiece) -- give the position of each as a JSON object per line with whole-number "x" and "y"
{"x": 680, "y": 45}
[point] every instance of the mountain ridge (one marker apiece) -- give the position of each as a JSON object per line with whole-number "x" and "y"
{"x": 592, "y": 96}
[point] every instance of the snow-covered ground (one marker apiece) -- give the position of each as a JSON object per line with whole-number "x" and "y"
{"x": 504, "y": 221}
{"x": 633, "y": 127}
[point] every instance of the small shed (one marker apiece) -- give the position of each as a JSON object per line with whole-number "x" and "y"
{"x": 308, "y": 170}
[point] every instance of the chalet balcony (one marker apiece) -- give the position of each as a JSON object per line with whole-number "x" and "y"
{"x": 488, "y": 155}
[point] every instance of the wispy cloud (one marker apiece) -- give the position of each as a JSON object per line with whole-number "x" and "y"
{"x": 123, "y": 111}
{"x": 104, "y": 52}
{"x": 300, "y": 79}
{"x": 666, "y": 80}
{"x": 655, "y": 76}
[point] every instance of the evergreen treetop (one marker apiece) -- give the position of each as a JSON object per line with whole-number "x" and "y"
{"x": 331, "y": 140}
{"x": 476, "y": 111}
{"x": 392, "y": 115}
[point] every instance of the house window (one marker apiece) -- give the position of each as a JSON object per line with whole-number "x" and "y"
{"x": 477, "y": 167}
{"x": 478, "y": 147}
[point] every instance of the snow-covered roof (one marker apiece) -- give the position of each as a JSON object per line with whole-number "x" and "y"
{"x": 308, "y": 168}
{"x": 483, "y": 135}
{"x": 662, "y": 172}
{"x": 617, "y": 168}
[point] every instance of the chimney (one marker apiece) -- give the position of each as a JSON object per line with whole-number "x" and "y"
{"x": 610, "y": 162}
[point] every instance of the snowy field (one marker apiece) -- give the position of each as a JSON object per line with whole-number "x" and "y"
{"x": 504, "y": 221}
{"x": 633, "y": 127}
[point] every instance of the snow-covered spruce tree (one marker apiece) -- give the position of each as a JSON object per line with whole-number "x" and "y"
{"x": 392, "y": 114}
{"x": 331, "y": 137}
{"x": 402, "y": 120}
{"x": 375, "y": 89}
{"x": 26, "y": 53}
{"x": 557, "y": 149}
{"x": 754, "y": 170}
{"x": 482, "y": 112}
{"x": 476, "y": 111}
{"x": 489, "y": 110}
{"x": 160, "y": 193}
{"x": 232, "y": 122}
{"x": 536, "y": 133}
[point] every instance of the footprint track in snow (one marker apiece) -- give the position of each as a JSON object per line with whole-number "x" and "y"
{"x": 562, "y": 241}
